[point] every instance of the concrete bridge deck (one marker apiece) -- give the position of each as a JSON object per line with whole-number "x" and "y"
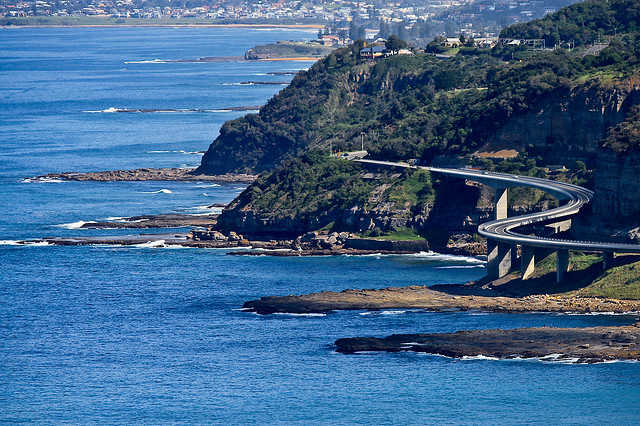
{"x": 501, "y": 233}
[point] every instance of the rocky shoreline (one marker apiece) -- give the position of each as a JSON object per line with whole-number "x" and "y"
{"x": 422, "y": 297}
{"x": 578, "y": 345}
{"x": 145, "y": 174}
{"x": 154, "y": 221}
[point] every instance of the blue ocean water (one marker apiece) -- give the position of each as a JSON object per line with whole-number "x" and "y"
{"x": 154, "y": 335}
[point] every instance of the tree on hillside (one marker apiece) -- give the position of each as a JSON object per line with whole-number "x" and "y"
{"x": 395, "y": 43}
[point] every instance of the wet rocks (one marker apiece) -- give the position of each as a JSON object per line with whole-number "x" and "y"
{"x": 579, "y": 345}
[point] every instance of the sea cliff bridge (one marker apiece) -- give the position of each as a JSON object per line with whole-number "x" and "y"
{"x": 502, "y": 233}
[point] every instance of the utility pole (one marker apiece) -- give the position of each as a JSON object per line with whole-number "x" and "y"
{"x": 361, "y": 141}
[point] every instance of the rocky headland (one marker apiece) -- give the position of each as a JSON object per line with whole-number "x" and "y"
{"x": 155, "y": 221}
{"x": 147, "y": 174}
{"x": 580, "y": 345}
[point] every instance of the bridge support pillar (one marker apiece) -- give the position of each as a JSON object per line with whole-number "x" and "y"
{"x": 498, "y": 259}
{"x": 607, "y": 260}
{"x": 527, "y": 262}
{"x": 501, "y": 203}
{"x": 562, "y": 266}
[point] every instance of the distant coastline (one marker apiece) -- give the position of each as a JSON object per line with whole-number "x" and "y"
{"x": 109, "y": 23}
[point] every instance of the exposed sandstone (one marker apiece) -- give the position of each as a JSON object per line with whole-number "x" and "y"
{"x": 420, "y": 297}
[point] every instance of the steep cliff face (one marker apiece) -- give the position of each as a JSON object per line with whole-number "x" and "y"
{"x": 617, "y": 186}
{"x": 568, "y": 126}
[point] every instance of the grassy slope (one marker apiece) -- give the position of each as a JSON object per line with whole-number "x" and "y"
{"x": 621, "y": 282}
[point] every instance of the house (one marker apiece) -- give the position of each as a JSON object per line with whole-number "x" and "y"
{"x": 452, "y": 42}
{"x": 373, "y": 52}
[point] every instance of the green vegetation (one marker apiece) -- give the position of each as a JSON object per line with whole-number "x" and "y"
{"x": 581, "y": 23}
{"x": 306, "y": 186}
{"x": 578, "y": 261}
{"x": 401, "y": 234}
{"x": 421, "y": 106}
{"x": 414, "y": 190}
{"x": 625, "y": 136}
{"x": 621, "y": 282}
{"x": 287, "y": 49}
{"x": 435, "y": 110}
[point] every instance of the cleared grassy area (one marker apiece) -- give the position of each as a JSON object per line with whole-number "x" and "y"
{"x": 403, "y": 234}
{"x": 606, "y": 77}
{"x": 577, "y": 262}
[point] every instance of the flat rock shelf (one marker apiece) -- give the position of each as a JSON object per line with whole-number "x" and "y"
{"x": 147, "y": 174}
{"x": 577, "y": 345}
{"x": 420, "y": 297}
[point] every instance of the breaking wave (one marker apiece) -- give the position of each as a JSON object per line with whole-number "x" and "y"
{"x": 74, "y": 225}
{"x": 159, "y": 191}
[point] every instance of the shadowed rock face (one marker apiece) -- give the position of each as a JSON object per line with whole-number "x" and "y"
{"x": 582, "y": 345}
{"x": 617, "y": 193}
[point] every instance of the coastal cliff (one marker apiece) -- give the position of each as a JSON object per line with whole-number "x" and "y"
{"x": 550, "y": 108}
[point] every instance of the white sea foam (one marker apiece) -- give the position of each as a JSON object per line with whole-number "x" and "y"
{"x": 205, "y": 210}
{"x": 448, "y": 257}
{"x": 209, "y": 185}
{"x": 107, "y": 110}
{"x": 74, "y": 225}
{"x": 151, "y": 244}
{"x": 391, "y": 312}
{"x": 148, "y": 61}
{"x": 479, "y": 357}
{"x": 42, "y": 180}
{"x": 460, "y": 267}
{"x": 24, "y": 243}
{"x": 160, "y": 191}
{"x": 291, "y": 314}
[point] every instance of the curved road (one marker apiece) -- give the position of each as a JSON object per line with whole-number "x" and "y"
{"x": 504, "y": 230}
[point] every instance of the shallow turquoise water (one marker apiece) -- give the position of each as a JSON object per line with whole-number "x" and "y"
{"x": 141, "y": 335}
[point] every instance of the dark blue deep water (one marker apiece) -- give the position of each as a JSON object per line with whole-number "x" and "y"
{"x": 154, "y": 335}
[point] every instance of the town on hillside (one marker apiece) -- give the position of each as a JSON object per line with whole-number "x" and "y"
{"x": 411, "y": 20}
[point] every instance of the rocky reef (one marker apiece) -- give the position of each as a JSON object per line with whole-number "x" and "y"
{"x": 579, "y": 345}
{"x": 420, "y": 297}
{"x": 147, "y": 174}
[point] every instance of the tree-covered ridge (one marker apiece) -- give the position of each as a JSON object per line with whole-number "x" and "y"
{"x": 257, "y": 142}
{"x": 409, "y": 106}
{"x": 307, "y": 185}
{"x": 581, "y": 23}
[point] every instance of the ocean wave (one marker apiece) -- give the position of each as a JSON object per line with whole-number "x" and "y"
{"x": 42, "y": 180}
{"x": 291, "y": 314}
{"x": 448, "y": 257}
{"x": 74, "y": 225}
{"x": 389, "y": 312}
{"x": 460, "y": 267}
{"x": 24, "y": 243}
{"x": 112, "y": 110}
{"x": 149, "y": 61}
{"x": 181, "y": 151}
{"x": 205, "y": 210}
{"x": 207, "y": 185}
{"x": 479, "y": 357}
{"x": 151, "y": 244}
{"x": 159, "y": 191}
